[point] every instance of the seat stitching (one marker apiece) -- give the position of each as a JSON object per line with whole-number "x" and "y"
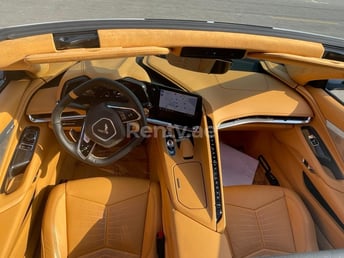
{"x": 259, "y": 224}
{"x": 106, "y": 240}
{"x": 56, "y": 246}
{"x": 258, "y": 208}
{"x": 229, "y": 239}
{"x": 147, "y": 200}
{"x": 260, "y": 230}
{"x": 107, "y": 221}
{"x": 106, "y": 204}
{"x": 67, "y": 239}
{"x": 276, "y": 249}
{"x": 291, "y": 227}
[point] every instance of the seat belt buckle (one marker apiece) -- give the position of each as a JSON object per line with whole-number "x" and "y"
{"x": 160, "y": 244}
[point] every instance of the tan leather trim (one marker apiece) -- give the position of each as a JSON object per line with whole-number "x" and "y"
{"x": 326, "y": 107}
{"x": 203, "y": 210}
{"x": 15, "y": 206}
{"x": 15, "y": 50}
{"x": 301, "y": 221}
{"x": 21, "y": 247}
{"x": 285, "y": 154}
{"x": 303, "y": 69}
{"x": 280, "y": 72}
{"x": 177, "y": 38}
{"x": 188, "y": 178}
{"x": 52, "y": 244}
{"x": 153, "y": 223}
{"x": 43, "y": 102}
{"x": 113, "y": 219}
{"x": 96, "y": 53}
{"x": 185, "y": 237}
{"x": 236, "y": 94}
{"x": 331, "y": 109}
{"x": 195, "y": 240}
{"x": 204, "y": 215}
{"x": 10, "y": 97}
{"x": 12, "y": 218}
{"x": 27, "y": 198}
{"x": 113, "y": 69}
{"x": 274, "y": 220}
{"x": 330, "y": 112}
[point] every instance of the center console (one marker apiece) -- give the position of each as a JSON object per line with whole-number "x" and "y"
{"x": 192, "y": 193}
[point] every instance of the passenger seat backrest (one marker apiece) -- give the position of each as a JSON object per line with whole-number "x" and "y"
{"x": 267, "y": 220}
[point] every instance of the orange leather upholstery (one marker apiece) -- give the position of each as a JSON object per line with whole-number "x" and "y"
{"x": 102, "y": 217}
{"x": 267, "y": 220}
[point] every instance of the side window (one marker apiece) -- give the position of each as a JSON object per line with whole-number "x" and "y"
{"x": 336, "y": 88}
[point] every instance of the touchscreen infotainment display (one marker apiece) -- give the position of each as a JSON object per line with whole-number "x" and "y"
{"x": 174, "y": 106}
{"x": 174, "y": 101}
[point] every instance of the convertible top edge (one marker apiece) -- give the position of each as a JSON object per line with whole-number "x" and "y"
{"x": 145, "y": 23}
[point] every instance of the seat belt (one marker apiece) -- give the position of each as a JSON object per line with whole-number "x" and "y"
{"x": 268, "y": 174}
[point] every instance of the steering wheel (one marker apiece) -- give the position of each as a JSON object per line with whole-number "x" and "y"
{"x": 107, "y": 124}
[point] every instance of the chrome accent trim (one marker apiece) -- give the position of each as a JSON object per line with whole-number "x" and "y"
{"x": 158, "y": 122}
{"x": 79, "y": 152}
{"x": 33, "y": 118}
{"x": 264, "y": 120}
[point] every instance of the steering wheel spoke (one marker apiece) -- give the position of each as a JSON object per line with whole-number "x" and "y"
{"x": 85, "y": 145}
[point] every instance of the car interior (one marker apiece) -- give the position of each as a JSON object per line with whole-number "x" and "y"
{"x": 169, "y": 143}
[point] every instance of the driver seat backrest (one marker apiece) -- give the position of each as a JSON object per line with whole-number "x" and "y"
{"x": 102, "y": 217}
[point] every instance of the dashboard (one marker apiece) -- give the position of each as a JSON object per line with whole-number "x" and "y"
{"x": 164, "y": 105}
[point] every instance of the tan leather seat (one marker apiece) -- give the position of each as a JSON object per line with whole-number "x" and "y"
{"x": 102, "y": 217}
{"x": 267, "y": 220}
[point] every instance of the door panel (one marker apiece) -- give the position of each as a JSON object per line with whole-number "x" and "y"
{"x": 323, "y": 172}
{"x": 338, "y": 137}
{"x": 15, "y": 206}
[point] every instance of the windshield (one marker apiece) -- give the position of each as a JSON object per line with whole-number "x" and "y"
{"x": 313, "y": 16}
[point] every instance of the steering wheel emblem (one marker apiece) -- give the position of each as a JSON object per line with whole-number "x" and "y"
{"x": 104, "y": 129}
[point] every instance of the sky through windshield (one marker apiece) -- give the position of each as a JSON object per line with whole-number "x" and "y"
{"x": 313, "y": 16}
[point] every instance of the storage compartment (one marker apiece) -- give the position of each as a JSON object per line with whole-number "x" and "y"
{"x": 189, "y": 185}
